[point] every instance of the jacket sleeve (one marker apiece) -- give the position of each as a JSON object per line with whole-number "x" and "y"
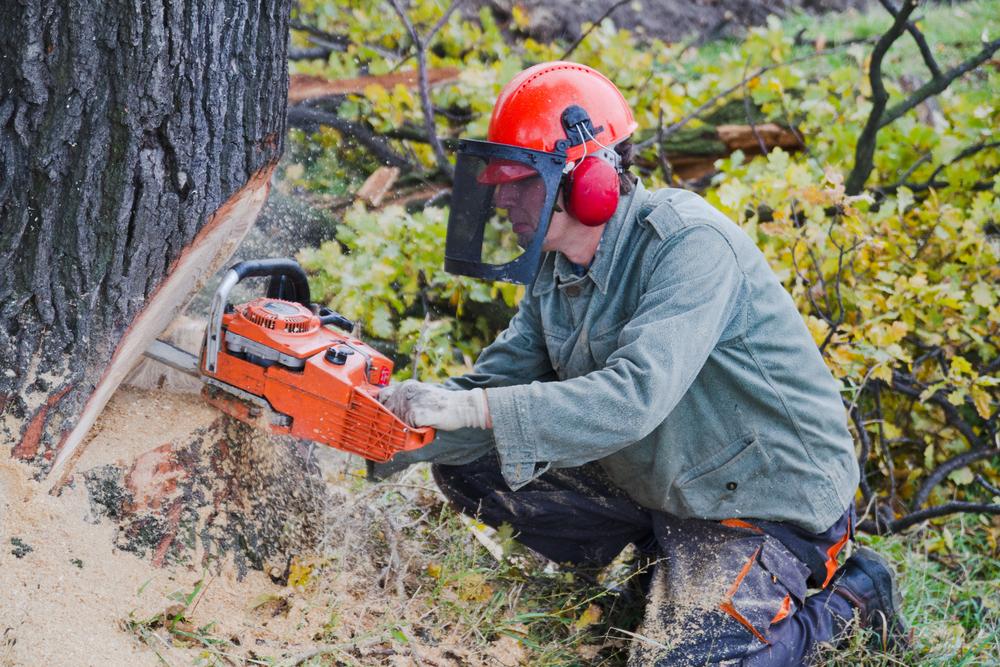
{"x": 518, "y": 355}
{"x": 694, "y": 286}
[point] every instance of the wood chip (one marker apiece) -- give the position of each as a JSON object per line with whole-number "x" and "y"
{"x": 378, "y": 185}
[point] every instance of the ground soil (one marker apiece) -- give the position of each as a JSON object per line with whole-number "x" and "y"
{"x": 670, "y": 21}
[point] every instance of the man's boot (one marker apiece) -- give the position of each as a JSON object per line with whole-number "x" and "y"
{"x": 868, "y": 582}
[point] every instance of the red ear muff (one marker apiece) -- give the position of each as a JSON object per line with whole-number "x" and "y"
{"x": 592, "y": 191}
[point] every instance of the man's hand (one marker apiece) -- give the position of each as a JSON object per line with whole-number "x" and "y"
{"x": 425, "y": 404}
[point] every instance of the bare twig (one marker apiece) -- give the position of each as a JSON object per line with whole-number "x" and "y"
{"x": 890, "y": 466}
{"x": 880, "y": 116}
{"x": 748, "y": 112}
{"x": 421, "y": 43}
{"x": 579, "y": 40}
{"x": 942, "y": 471}
{"x": 864, "y": 152}
{"x": 956, "y": 507}
{"x": 661, "y": 155}
{"x": 986, "y": 485}
{"x": 866, "y": 448}
{"x": 908, "y": 385}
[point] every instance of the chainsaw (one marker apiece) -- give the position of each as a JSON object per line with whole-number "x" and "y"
{"x": 294, "y": 367}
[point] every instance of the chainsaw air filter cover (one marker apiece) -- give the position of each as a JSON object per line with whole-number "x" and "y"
{"x": 278, "y": 315}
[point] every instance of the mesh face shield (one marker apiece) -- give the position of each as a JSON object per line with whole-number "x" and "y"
{"x": 501, "y": 206}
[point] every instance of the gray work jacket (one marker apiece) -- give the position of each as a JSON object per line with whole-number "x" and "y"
{"x": 679, "y": 363}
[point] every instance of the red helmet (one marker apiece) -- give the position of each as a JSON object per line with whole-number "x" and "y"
{"x": 553, "y": 130}
{"x": 529, "y": 110}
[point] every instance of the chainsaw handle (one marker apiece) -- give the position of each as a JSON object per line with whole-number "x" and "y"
{"x": 277, "y": 269}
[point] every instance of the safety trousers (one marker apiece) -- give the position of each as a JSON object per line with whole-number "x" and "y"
{"x": 720, "y": 592}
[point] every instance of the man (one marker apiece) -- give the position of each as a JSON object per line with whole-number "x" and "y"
{"x": 657, "y": 386}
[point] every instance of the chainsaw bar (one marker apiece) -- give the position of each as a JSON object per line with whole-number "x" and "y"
{"x": 174, "y": 357}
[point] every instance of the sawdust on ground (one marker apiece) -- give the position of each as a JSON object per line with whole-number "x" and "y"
{"x": 69, "y": 594}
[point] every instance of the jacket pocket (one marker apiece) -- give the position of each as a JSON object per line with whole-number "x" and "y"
{"x": 729, "y": 481}
{"x": 603, "y": 344}
{"x": 555, "y": 339}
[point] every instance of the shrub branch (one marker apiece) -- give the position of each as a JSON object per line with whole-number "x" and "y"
{"x": 420, "y": 43}
{"x": 864, "y": 152}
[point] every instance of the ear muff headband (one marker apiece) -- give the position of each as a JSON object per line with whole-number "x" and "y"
{"x": 591, "y": 184}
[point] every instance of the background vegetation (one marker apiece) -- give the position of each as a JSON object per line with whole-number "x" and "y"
{"x": 882, "y": 221}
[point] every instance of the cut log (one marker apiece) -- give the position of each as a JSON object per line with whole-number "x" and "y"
{"x": 137, "y": 142}
{"x": 744, "y": 138}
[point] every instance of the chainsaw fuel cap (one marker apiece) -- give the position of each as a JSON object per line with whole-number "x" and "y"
{"x": 338, "y": 356}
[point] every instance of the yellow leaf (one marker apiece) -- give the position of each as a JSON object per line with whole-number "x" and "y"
{"x": 818, "y": 328}
{"x": 434, "y": 570}
{"x": 960, "y": 365}
{"x": 298, "y": 575}
{"x": 982, "y": 400}
{"x": 474, "y": 588}
{"x": 590, "y": 615}
{"x": 982, "y": 295}
{"x": 882, "y": 372}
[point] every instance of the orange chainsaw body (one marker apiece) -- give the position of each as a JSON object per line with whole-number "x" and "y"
{"x": 315, "y": 382}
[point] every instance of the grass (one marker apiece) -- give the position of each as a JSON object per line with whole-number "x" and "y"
{"x": 402, "y": 577}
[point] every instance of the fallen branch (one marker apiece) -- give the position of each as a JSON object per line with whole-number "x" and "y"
{"x": 880, "y": 117}
{"x": 302, "y": 87}
{"x": 908, "y": 385}
{"x": 918, "y": 37}
{"x": 938, "y": 84}
{"x": 310, "y": 119}
{"x": 932, "y": 181}
{"x": 711, "y": 102}
{"x": 942, "y": 471}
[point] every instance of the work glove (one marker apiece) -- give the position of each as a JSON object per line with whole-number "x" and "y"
{"x": 426, "y": 404}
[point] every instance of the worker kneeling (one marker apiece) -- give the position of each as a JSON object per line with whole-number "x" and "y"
{"x": 657, "y": 386}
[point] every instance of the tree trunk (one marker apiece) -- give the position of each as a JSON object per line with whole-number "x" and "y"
{"x": 137, "y": 141}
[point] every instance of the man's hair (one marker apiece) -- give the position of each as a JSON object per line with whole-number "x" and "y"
{"x": 626, "y": 153}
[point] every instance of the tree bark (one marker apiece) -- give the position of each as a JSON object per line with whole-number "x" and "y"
{"x": 137, "y": 141}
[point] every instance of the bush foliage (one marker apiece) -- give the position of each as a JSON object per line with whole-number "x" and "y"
{"x": 899, "y": 284}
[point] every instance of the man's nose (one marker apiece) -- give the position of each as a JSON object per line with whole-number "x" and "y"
{"x": 505, "y": 195}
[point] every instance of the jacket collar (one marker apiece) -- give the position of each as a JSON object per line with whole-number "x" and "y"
{"x": 556, "y": 267}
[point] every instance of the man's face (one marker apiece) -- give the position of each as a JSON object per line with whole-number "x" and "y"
{"x": 523, "y": 200}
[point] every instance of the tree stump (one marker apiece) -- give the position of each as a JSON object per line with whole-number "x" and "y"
{"x": 137, "y": 140}
{"x": 224, "y": 493}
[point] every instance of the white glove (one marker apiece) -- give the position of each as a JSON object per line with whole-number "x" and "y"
{"x": 425, "y": 404}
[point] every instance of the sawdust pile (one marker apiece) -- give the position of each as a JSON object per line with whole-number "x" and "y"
{"x": 360, "y": 593}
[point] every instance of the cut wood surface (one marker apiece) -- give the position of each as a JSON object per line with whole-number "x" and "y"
{"x": 378, "y": 185}
{"x": 305, "y": 87}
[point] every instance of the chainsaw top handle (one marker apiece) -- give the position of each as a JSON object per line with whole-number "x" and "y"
{"x": 288, "y": 282}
